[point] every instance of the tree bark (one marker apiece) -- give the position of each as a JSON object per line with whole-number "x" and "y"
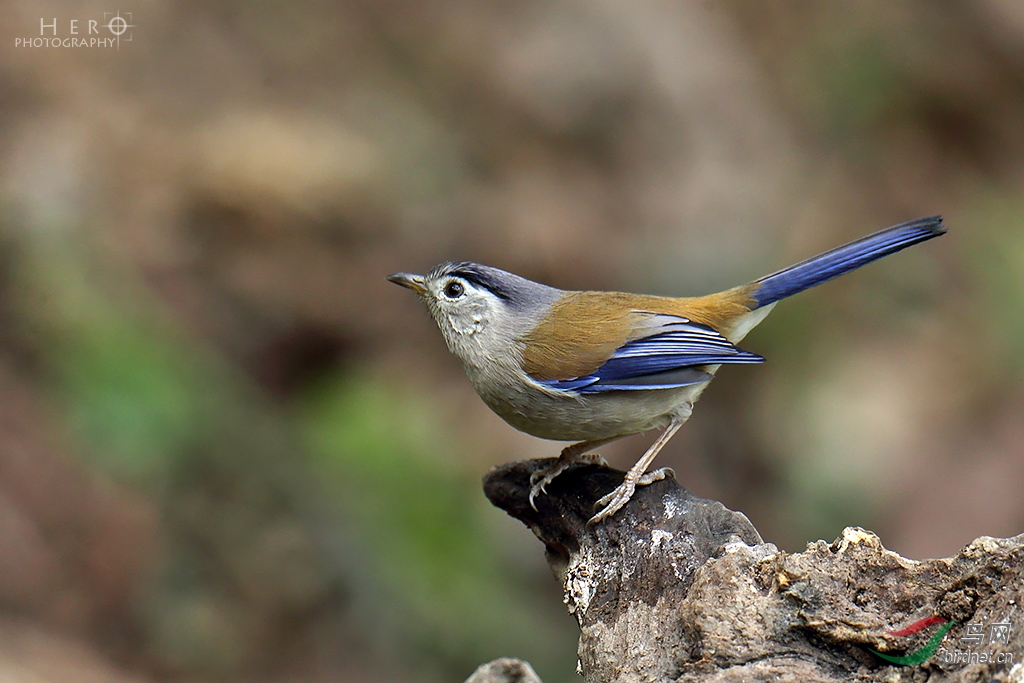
{"x": 674, "y": 587}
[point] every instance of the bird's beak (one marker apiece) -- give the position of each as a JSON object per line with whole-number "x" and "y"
{"x": 409, "y": 281}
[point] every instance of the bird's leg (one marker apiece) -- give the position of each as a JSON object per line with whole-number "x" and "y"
{"x": 570, "y": 455}
{"x": 637, "y": 475}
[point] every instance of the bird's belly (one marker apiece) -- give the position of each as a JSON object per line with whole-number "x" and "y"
{"x": 562, "y": 416}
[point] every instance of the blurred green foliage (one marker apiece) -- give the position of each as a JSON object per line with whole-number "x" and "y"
{"x": 380, "y": 455}
{"x": 397, "y": 520}
{"x": 996, "y": 263}
{"x": 136, "y": 391}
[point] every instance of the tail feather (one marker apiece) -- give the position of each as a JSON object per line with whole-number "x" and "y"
{"x": 834, "y": 263}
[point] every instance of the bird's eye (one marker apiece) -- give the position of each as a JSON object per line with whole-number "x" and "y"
{"x": 454, "y": 289}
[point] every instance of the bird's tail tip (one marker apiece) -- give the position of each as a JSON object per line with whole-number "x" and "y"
{"x": 933, "y": 224}
{"x": 843, "y": 259}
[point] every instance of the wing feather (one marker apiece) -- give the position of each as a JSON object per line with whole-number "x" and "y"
{"x": 674, "y": 353}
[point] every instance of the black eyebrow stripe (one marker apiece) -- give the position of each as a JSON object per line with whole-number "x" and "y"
{"x": 482, "y": 279}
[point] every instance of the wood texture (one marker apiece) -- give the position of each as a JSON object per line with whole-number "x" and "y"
{"x": 678, "y": 588}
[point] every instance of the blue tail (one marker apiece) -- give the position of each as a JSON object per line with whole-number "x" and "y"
{"x": 824, "y": 267}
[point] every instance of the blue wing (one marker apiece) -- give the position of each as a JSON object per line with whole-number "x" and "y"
{"x": 673, "y": 355}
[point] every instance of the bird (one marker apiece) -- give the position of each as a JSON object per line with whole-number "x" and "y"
{"x": 591, "y": 367}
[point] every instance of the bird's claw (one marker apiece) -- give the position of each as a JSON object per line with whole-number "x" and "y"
{"x": 614, "y": 501}
{"x": 535, "y": 490}
{"x": 656, "y": 475}
{"x": 540, "y": 479}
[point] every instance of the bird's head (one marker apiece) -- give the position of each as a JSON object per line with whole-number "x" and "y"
{"x": 480, "y": 310}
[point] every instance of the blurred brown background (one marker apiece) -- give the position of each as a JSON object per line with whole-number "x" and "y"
{"x": 231, "y": 451}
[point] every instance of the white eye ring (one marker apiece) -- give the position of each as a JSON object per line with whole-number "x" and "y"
{"x": 454, "y": 289}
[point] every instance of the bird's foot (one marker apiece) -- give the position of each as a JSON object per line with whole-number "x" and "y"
{"x": 540, "y": 479}
{"x": 613, "y": 502}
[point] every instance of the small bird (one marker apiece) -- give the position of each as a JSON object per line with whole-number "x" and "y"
{"x": 592, "y": 367}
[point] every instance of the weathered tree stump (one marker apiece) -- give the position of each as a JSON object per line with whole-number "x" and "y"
{"x": 678, "y": 588}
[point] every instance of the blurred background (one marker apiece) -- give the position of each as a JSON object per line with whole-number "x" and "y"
{"x": 231, "y": 451}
